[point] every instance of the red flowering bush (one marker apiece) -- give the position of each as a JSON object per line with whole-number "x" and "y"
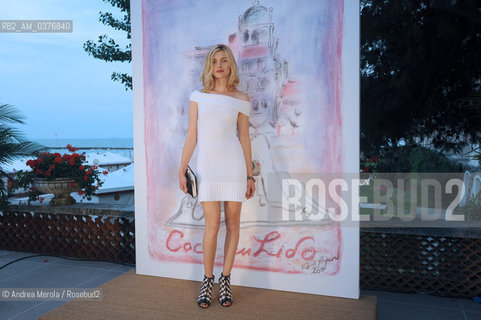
{"x": 369, "y": 164}
{"x": 54, "y": 165}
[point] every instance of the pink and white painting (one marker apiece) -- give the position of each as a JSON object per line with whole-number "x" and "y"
{"x": 291, "y": 58}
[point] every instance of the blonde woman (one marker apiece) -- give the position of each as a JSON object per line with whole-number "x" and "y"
{"x": 219, "y": 126}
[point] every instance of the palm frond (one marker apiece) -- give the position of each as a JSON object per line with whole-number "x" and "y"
{"x": 8, "y": 114}
{"x": 13, "y": 146}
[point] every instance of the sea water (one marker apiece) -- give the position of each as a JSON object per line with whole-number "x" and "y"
{"x": 121, "y": 146}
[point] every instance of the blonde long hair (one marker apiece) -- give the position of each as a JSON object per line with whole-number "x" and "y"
{"x": 207, "y": 77}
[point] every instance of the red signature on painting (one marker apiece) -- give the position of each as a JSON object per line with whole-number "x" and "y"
{"x": 175, "y": 242}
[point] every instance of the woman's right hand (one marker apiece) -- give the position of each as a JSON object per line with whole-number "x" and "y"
{"x": 183, "y": 183}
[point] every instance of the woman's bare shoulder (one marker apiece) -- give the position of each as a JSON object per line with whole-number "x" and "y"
{"x": 242, "y": 95}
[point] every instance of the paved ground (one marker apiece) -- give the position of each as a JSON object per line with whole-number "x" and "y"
{"x": 52, "y": 272}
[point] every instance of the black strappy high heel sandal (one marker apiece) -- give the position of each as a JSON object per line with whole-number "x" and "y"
{"x": 205, "y": 294}
{"x": 225, "y": 293}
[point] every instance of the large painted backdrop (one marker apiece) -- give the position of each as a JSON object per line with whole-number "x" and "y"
{"x": 298, "y": 62}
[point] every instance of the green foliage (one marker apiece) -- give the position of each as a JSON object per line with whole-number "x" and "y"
{"x": 426, "y": 160}
{"x": 471, "y": 209}
{"x": 107, "y": 48}
{"x": 413, "y": 158}
{"x": 420, "y": 74}
{"x": 13, "y": 145}
{"x": 476, "y": 156}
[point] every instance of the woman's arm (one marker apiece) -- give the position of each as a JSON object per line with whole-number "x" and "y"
{"x": 189, "y": 144}
{"x": 245, "y": 141}
{"x": 243, "y": 125}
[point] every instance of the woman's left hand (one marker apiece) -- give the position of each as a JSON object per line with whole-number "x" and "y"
{"x": 251, "y": 189}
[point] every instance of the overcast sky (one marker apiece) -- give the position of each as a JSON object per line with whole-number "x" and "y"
{"x": 61, "y": 90}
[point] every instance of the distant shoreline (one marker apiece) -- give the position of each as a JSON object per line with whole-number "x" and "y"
{"x": 87, "y": 142}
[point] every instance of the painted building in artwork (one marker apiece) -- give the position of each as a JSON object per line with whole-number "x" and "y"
{"x": 263, "y": 73}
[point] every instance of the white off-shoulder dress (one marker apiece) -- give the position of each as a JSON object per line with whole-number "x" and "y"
{"x": 221, "y": 168}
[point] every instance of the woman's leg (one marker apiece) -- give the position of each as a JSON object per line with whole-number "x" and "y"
{"x": 232, "y": 210}
{"x": 209, "y": 243}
